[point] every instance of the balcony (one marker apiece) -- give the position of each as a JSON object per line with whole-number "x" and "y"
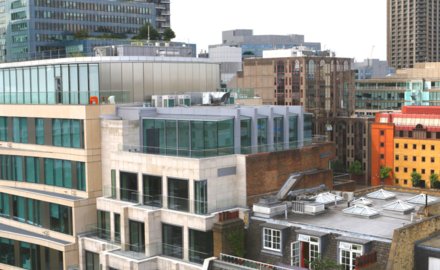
{"x": 237, "y": 263}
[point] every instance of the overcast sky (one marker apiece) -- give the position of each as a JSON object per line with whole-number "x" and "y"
{"x": 349, "y": 27}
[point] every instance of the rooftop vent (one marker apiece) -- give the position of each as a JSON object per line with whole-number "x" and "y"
{"x": 381, "y": 194}
{"x": 309, "y": 208}
{"x": 362, "y": 201}
{"x": 327, "y": 198}
{"x": 361, "y": 211}
{"x": 399, "y": 206}
{"x": 421, "y": 199}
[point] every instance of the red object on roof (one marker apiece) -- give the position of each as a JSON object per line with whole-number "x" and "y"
{"x": 421, "y": 110}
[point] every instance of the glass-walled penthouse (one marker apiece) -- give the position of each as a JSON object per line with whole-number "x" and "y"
{"x": 223, "y": 130}
{"x": 128, "y": 79}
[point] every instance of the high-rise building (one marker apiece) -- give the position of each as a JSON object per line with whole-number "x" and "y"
{"x": 37, "y": 29}
{"x": 412, "y": 32}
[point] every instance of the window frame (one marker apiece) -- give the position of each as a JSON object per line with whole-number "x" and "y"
{"x": 273, "y": 241}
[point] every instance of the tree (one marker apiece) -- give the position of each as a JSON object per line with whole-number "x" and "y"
{"x": 415, "y": 179}
{"x": 355, "y": 168}
{"x": 384, "y": 173}
{"x": 143, "y": 32}
{"x": 324, "y": 264}
{"x": 168, "y": 34}
{"x": 81, "y": 34}
{"x": 433, "y": 179}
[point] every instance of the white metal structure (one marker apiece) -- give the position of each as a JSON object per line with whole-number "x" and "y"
{"x": 381, "y": 194}
{"x": 361, "y": 211}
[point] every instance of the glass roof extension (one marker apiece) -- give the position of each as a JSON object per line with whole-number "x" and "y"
{"x": 381, "y": 194}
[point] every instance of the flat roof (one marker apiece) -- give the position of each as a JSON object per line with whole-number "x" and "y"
{"x": 49, "y": 193}
{"x": 190, "y": 117}
{"x": 334, "y": 220}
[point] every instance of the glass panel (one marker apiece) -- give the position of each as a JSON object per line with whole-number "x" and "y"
{"x": 60, "y": 218}
{"x": 152, "y": 190}
{"x": 137, "y": 236}
{"x": 104, "y": 225}
{"x": 2, "y": 88}
{"x": 83, "y": 84}
{"x": 49, "y": 171}
{"x": 7, "y": 251}
{"x": 201, "y": 197}
{"x": 13, "y": 83}
{"x": 32, "y": 170}
{"x": 19, "y": 168}
{"x": 50, "y": 71}
{"x": 56, "y": 132}
{"x": 172, "y": 238}
{"x": 129, "y": 186}
{"x": 76, "y": 133}
{"x": 278, "y": 133}
{"x": 39, "y": 130}
{"x": 210, "y": 135}
{"x": 7, "y": 86}
{"x": 171, "y": 137}
{"x": 66, "y": 133}
{"x": 246, "y": 136}
{"x": 74, "y": 99}
{"x": 65, "y": 83}
{"x": 92, "y": 261}
{"x": 197, "y": 139}
{"x": 3, "y": 128}
{"x": 183, "y": 133}
{"x": 200, "y": 245}
{"x": 262, "y": 134}
{"x": 34, "y": 85}
{"x": 117, "y": 218}
{"x": 94, "y": 80}
{"x": 4, "y": 206}
{"x": 67, "y": 173}
{"x": 293, "y": 131}
{"x": 226, "y": 137}
{"x": 178, "y": 194}
{"x": 307, "y": 127}
{"x": 81, "y": 176}
{"x": 58, "y": 172}
{"x": 113, "y": 184}
{"x": 18, "y": 208}
{"x": 42, "y": 84}
{"x": 27, "y": 85}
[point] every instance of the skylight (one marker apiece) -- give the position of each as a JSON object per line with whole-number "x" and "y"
{"x": 327, "y": 198}
{"x": 421, "y": 199}
{"x": 361, "y": 211}
{"x": 362, "y": 201}
{"x": 381, "y": 194}
{"x": 399, "y": 206}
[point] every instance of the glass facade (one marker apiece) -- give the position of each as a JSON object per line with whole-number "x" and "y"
{"x": 201, "y": 197}
{"x": 129, "y": 187}
{"x": 293, "y": 131}
{"x": 30, "y": 211}
{"x": 308, "y": 126}
{"x": 262, "y": 134}
{"x": 117, "y": 219}
{"x": 104, "y": 225}
{"x": 67, "y": 133}
{"x": 52, "y": 172}
{"x": 92, "y": 261}
{"x": 278, "y": 133}
{"x": 49, "y": 84}
{"x": 246, "y": 136}
{"x": 29, "y": 256}
{"x": 137, "y": 236}
{"x": 188, "y": 137}
{"x": 39, "y": 131}
{"x": 19, "y": 130}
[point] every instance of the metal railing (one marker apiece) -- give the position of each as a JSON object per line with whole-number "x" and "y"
{"x": 198, "y": 207}
{"x": 222, "y": 151}
{"x": 249, "y": 263}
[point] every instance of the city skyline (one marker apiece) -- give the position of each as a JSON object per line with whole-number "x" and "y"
{"x": 365, "y": 21}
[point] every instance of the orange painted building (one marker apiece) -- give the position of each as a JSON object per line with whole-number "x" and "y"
{"x": 406, "y": 142}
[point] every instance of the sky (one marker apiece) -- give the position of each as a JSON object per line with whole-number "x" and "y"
{"x": 351, "y": 28}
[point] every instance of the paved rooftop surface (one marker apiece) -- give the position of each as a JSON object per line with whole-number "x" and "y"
{"x": 381, "y": 226}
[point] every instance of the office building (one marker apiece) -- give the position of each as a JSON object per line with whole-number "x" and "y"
{"x": 323, "y": 85}
{"x": 254, "y": 45}
{"x": 406, "y": 142}
{"x": 128, "y": 79}
{"x": 230, "y": 59}
{"x": 174, "y": 179}
{"x": 36, "y": 30}
{"x": 416, "y": 86}
{"x": 412, "y": 32}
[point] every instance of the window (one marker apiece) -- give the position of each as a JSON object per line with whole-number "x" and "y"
{"x": 3, "y": 129}
{"x": 414, "y": 170}
{"x": 60, "y": 218}
{"x": 432, "y": 147}
{"x": 423, "y": 159}
{"x": 432, "y": 159}
{"x": 104, "y": 225}
{"x": 178, "y": 194}
{"x": 382, "y": 144}
{"x": 129, "y": 186}
{"x": 272, "y": 239}
{"x": 405, "y": 146}
{"x": 405, "y": 170}
{"x": 382, "y": 132}
{"x": 410, "y": 134}
{"x": 348, "y": 253}
{"x": 423, "y": 147}
{"x": 19, "y": 130}
{"x": 152, "y": 190}
{"x": 382, "y": 156}
{"x": 397, "y": 145}
{"x": 405, "y": 182}
{"x": 432, "y": 172}
{"x": 117, "y": 220}
{"x": 172, "y": 238}
{"x": 67, "y": 133}
{"x": 405, "y": 158}
{"x": 39, "y": 131}
{"x": 414, "y": 146}
{"x": 137, "y": 236}
{"x": 423, "y": 171}
{"x": 201, "y": 197}
{"x": 396, "y": 181}
{"x": 200, "y": 245}
{"x": 414, "y": 158}
{"x": 92, "y": 260}
{"x": 396, "y": 169}
{"x": 397, "y": 157}
{"x": 305, "y": 250}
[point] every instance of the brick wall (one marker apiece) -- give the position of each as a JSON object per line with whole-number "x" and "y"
{"x": 383, "y": 251}
{"x": 267, "y": 172}
{"x": 402, "y": 249}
